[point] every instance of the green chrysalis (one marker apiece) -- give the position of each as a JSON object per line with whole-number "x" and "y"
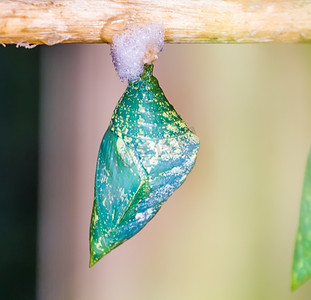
{"x": 301, "y": 270}
{"x": 145, "y": 155}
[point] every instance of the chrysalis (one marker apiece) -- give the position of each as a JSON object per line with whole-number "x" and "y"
{"x": 301, "y": 270}
{"x": 145, "y": 155}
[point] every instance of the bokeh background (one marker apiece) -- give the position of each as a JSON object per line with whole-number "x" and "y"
{"x": 226, "y": 234}
{"x": 19, "y": 112}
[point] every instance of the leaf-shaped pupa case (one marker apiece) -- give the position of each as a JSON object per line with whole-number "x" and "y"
{"x": 301, "y": 269}
{"x": 145, "y": 155}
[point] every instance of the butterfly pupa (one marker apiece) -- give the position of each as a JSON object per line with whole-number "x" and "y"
{"x": 301, "y": 269}
{"x": 145, "y": 155}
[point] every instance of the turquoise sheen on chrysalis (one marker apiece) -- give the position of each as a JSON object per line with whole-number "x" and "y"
{"x": 301, "y": 270}
{"x": 145, "y": 155}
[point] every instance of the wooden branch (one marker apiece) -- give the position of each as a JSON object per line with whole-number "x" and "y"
{"x": 185, "y": 21}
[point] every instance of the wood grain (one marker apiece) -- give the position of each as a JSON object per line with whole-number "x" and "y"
{"x": 186, "y": 21}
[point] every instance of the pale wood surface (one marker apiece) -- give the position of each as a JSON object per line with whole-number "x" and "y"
{"x": 186, "y": 21}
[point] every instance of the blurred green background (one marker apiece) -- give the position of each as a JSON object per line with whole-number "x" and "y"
{"x": 19, "y": 108}
{"x": 227, "y": 234}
